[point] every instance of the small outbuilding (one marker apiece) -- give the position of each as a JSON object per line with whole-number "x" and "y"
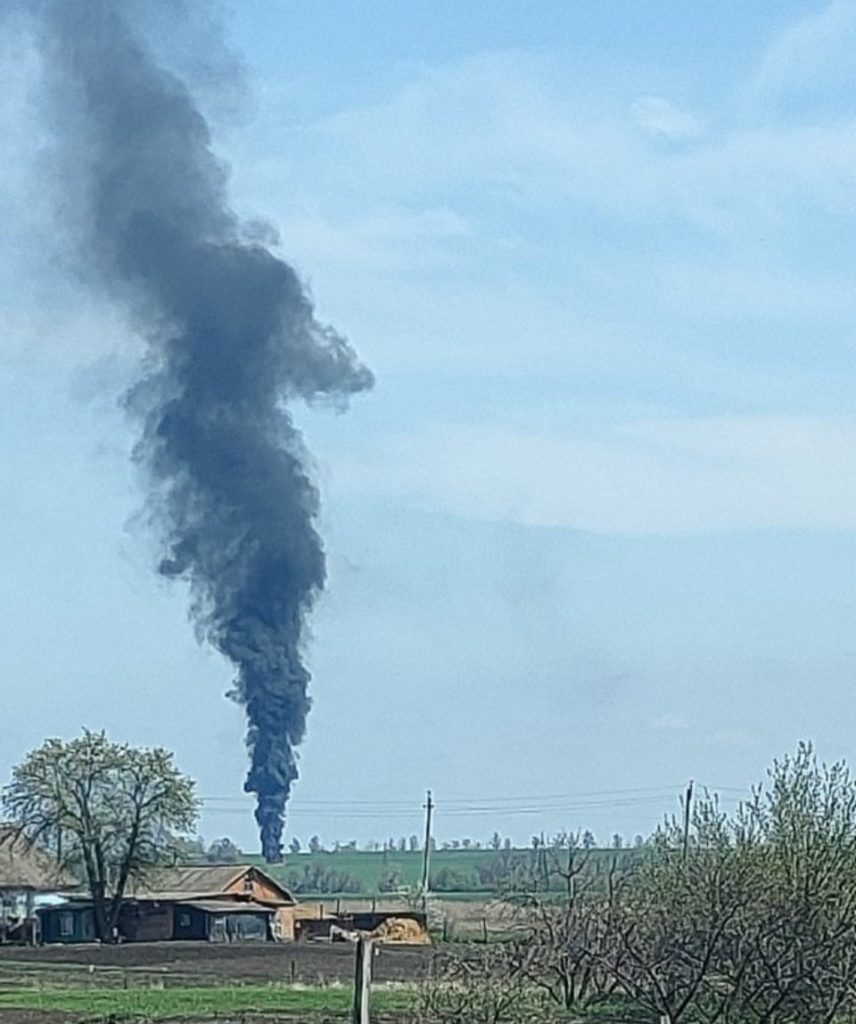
{"x": 73, "y": 921}
{"x": 28, "y": 874}
{"x": 224, "y": 921}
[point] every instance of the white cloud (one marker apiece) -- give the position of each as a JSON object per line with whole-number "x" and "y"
{"x": 383, "y": 238}
{"x": 667, "y": 476}
{"x": 810, "y": 63}
{"x": 672, "y": 721}
{"x": 494, "y": 216}
{"x": 502, "y": 133}
{"x": 659, "y": 117}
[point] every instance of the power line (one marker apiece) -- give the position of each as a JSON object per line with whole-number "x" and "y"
{"x": 467, "y": 803}
{"x": 499, "y": 807}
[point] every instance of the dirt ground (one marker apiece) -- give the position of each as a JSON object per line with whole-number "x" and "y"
{"x": 186, "y": 964}
{"x": 10, "y": 1016}
{"x": 205, "y": 963}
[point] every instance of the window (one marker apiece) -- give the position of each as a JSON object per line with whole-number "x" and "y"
{"x": 66, "y": 925}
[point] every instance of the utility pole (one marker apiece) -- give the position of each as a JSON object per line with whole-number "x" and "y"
{"x": 426, "y": 853}
{"x": 688, "y": 800}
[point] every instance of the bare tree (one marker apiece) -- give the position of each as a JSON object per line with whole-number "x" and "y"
{"x": 479, "y": 985}
{"x": 563, "y": 905}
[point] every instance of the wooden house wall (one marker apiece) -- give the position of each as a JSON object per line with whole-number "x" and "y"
{"x": 284, "y": 924}
{"x": 254, "y": 887}
{"x": 67, "y": 926}
{"x": 228, "y": 927}
{"x": 147, "y": 922}
{"x": 190, "y": 923}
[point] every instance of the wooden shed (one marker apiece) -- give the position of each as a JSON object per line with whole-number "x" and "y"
{"x": 27, "y": 873}
{"x": 223, "y": 921}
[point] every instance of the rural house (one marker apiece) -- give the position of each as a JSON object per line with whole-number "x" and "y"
{"x": 213, "y": 903}
{"x": 28, "y": 875}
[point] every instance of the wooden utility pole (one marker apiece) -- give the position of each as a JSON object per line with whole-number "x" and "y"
{"x": 426, "y": 853}
{"x": 363, "y": 980}
{"x": 688, "y": 801}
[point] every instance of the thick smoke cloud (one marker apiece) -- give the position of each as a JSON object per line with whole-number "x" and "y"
{"x": 233, "y": 339}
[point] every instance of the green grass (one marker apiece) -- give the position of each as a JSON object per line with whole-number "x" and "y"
{"x": 369, "y": 867}
{"x": 159, "y": 1004}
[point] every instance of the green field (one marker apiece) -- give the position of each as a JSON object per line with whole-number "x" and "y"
{"x": 372, "y": 867}
{"x": 462, "y": 873}
{"x": 196, "y": 1003}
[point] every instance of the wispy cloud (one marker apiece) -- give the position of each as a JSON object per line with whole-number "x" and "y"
{"x": 809, "y": 65}
{"x": 644, "y": 477}
{"x": 660, "y": 117}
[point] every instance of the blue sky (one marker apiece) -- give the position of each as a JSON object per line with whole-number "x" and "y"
{"x": 593, "y": 530}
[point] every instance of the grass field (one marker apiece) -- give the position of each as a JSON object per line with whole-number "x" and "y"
{"x": 198, "y": 1003}
{"x": 454, "y": 873}
{"x": 372, "y": 867}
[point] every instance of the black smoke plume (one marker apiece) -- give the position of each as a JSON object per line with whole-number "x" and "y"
{"x": 234, "y": 338}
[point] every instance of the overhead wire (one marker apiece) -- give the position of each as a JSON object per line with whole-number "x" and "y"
{"x": 461, "y": 807}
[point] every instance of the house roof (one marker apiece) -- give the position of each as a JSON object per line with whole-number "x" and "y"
{"x": 200, "y": 881}
{"x": 209, "y": 906}
{"x": 26, "y": 867}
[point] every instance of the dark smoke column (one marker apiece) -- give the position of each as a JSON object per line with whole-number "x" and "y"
{"x": 234, "y": 339}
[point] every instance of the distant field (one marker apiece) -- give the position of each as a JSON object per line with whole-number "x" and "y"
{"x": 454, "y": 873}
{"x": 372, "y": 867}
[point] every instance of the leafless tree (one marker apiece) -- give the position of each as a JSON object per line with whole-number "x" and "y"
{"x": 479, "y": 984}
{"x": 561, "y": 910}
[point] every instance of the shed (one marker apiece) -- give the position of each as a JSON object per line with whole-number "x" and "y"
{"x": 27, "y": 872}
{"x": 223, "y": 921}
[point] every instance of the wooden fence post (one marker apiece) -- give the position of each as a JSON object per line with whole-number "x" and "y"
{"x": 363, "y": 980}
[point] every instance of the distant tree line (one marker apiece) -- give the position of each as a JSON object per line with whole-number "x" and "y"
{"x": 412, "y": 844}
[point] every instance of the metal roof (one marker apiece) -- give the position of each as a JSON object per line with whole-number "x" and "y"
{"x": 209, "y": 906}
{"x": 199, "y": 880}
{"x": 191, "y": 879}
{"x": 24, "y": 867}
